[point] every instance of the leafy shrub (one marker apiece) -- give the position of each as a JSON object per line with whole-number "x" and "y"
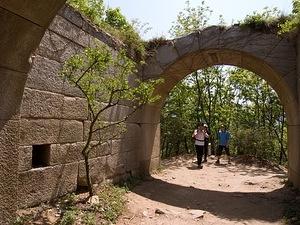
{"x": 89, "y": 218}
{"x": 68, "y": 218}
{"x": 113, "y": 22}
{"x": 293, "y": 21}
{"x": 112, "y": 202}
{"x": 266, "y": 20}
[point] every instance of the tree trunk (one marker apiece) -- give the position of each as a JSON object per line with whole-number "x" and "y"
{"x": 88, "y": 177}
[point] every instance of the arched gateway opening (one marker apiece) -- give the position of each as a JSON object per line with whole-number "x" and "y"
{"x": 271, "y": 57}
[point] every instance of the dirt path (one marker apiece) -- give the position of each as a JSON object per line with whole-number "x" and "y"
{"x": 220, "y": 195}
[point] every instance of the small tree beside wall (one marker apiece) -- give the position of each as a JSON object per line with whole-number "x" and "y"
{"x": 103, "y": 77}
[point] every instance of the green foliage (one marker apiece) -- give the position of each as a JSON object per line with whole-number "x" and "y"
{"x": 89, "y": 218}
{"x": 93, "y": 9}
{"x": 112, "y": 202}
{"x": 115, "y": 19}
{"x": 293, "y": 21}
{"x": 234, "y": 97}
{"x": 265, "y": 20}
{"x": 191, "y": 19}
{"x": 104, "y": 78}
{"x": 114, "y": 22}
{"x": 106, "y": 81}
{"x": 68, "y": 202}
{"x": 21, "y": 220}
{"x": 155, "y": 43}
{"x": 68, "y": 218}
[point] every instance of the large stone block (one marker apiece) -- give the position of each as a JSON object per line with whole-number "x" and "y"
{"x": 66, "y": 29}
{"x": 230, "y": 58}
{"x": 39, "y": 131}
{"x": 294, "y": 177}
{"x": 44, "y": 75}
{"x": 105, "y": 134}
{"x": 116, "y": 165}
{"x": 19, "y": 37}
{"x": 187, "y": 44}
{"x": 293, "y": 147}
{"x": 9, "y": 135}
{"x": 151, "y": 70}
{"x": 150, "y": 141}
{"x": 154, "y": 164}
{"x": 132, "y": 162}
{"x": 56, "y": 47}
{"x": 283, "y": 66}
{"x": 260, "y": 44}
{"x": 100, "y": 150}
{"x": 166, "y": 55}
{"x": 47, "y": 131}
{"x": 97, "y": 171}
{"x": 25, "y": 158}
{"x": 66, "y": 153}
{"x": 75, "y": 108}
{"x": 38, "y": 12}
{"x": 133, "y": 130}
{"x": 125, "y": 145}
{"x": 209, "y": 38}
{"x": 234, "y": 37}
{"x": 116, "y": 113}
{"x": 70, "y": 131}
{"x": 146, "y": 114}
{"x": 41, "y": 104}
{"x": 43, "y": 184}
{"x": 11, "y": 91}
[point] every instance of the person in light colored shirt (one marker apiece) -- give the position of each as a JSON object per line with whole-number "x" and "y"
{"x": 199, "y": 136}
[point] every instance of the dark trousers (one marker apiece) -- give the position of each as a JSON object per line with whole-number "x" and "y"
{"x": 220, "y": 149}
{"x": 199, "y": 151}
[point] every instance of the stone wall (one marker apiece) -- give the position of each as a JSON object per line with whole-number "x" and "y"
{"x": 54, "y": 119}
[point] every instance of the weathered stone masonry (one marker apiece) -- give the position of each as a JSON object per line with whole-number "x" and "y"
{"x": 54, "y": 120}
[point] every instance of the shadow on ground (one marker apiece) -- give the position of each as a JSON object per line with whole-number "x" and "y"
{"x": 230, "y": 205}
{"x": 264, "y": 206}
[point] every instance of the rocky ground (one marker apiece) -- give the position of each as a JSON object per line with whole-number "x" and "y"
{"x": 243, "y": 192}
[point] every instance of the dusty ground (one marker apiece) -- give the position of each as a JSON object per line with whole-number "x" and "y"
{"x": 240, "y": 193}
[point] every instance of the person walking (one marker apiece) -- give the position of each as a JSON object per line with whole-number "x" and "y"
{"x": 206, "y": 141}
{"x": 199, "y": 135}
{"x": 223, "y": 139}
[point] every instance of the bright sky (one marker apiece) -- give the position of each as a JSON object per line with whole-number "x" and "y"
{"x": 161, "y": 13}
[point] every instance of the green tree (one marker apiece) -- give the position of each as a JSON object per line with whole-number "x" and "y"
{"x": 103, "y": 78}
{"x": 293, "y": 20}
{"x": 190, "y": 19}
{"x": 114, "y": 22}
{"x": 176, "y": 123}
{"x": 259, "y": 125}
{"x": 115, "y": 18}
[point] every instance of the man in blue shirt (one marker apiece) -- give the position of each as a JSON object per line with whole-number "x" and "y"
{"x": 223, "y": 139}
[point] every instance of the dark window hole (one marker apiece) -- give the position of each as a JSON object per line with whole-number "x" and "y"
{"x": 40, "y": 155}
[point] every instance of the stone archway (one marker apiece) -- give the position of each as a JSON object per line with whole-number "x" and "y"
{"x": 271, "y": 57}
{"x": 22, "y": 25}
